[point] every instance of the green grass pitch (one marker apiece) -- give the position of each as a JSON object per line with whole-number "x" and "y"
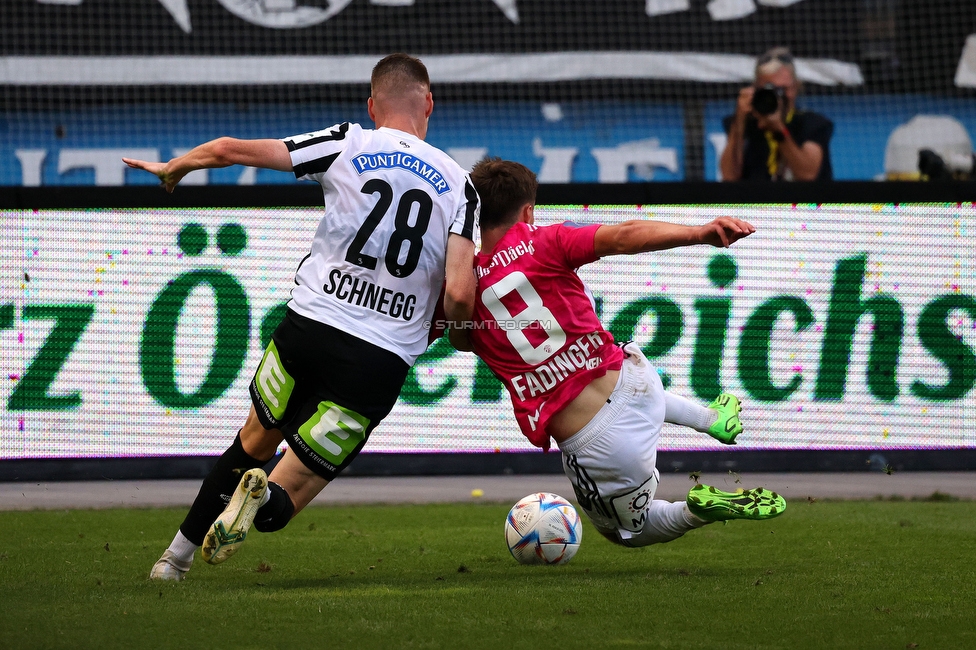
{"x": 870, "y": 574}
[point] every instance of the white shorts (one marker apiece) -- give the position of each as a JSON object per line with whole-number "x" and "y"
{"x": 611, "y": 461}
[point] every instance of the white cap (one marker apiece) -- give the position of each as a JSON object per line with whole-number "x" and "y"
{"x": 943, "y": 134}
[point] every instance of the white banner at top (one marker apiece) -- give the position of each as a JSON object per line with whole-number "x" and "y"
{"x": 453, "y": 68}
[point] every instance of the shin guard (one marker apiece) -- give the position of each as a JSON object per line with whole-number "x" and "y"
{"x": 277, "y": 512}
{"x": 216, "y": 490}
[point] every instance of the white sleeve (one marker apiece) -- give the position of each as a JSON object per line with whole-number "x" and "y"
{"x": 469, "y": 210}
{"x": 313, "y": 153}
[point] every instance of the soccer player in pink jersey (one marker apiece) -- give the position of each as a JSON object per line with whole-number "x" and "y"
{"x": 601, "y": 402}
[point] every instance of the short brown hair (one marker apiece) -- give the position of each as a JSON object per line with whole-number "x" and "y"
{"x": 504, "y": 187}
{"x": 397, "y": 72}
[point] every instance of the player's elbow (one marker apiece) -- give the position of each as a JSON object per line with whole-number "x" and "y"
{"x": 458, "y": 306}
{"x": 459, "y": 296}
{"x": 460, "y": 284}
{"x": 621, "y": 239}
{"x": 224, "y": 151}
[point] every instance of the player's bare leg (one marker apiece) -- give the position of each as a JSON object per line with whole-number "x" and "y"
{"x": 267, "y": 503}
{"x": 259, "y": 442}
{"x": 298, "y": 482}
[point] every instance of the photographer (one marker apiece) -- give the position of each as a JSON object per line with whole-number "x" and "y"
{"x": 769, "y": 138}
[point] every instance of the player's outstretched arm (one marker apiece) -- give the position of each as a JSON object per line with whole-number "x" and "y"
{"x": 222, "y": 152}
{"x": 633, "y": 237}
{"x": 460, "y": 287}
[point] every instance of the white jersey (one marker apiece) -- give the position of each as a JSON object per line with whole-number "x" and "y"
{"x": 376, "y": 265}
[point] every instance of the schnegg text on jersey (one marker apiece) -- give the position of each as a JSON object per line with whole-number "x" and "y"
{"x": 363, "y": 293}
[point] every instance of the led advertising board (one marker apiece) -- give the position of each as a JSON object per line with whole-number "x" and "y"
{"x": 134, "y": 332}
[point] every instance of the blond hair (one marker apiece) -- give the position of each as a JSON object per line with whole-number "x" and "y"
{"x": 773, "y": 59}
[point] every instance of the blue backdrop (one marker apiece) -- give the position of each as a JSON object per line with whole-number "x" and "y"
{"x": 568, "y": 142}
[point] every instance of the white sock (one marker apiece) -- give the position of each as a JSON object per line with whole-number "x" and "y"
{"x": 182, "y": 548}
{"x": 665, "y": 521}
{"x": 266, "y": 497}
{"x": 693, "y": 520}
{"x": 681, "y": 410}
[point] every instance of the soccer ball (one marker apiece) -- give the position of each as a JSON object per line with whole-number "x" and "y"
{"x": 543, "y": 528}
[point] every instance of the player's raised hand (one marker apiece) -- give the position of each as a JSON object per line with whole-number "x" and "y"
{"x": 725, "y": 231}
{"x": 163, "y": 171}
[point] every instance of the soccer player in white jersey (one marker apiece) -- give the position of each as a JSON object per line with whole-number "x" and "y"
{"x": 603, "y": 404}
{"x": 399, "y": 221}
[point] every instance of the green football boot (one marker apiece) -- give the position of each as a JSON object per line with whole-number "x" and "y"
{"x": 712, "y": 504}
{"x": 229, "y": 531}
{"x": 727, "y": 426}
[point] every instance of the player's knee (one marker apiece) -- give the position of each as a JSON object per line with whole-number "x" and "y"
{"x": 258, "y": 441}
{"x": 277, "y": 512}
{"x": 613, "y": 536}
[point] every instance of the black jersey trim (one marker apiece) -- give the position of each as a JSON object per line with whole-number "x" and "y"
{"x": 587, "y": 492}
{"x": 474, "y": 201}
{"x": 300, "y": 268}
{"x": 317, "y": 166}
{"x": 339, "y": 133}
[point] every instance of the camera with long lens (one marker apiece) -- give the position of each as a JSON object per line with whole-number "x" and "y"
{"x": 766, "y": 100}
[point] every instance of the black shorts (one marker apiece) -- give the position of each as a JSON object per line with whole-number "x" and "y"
{"x": 326, "y": 391}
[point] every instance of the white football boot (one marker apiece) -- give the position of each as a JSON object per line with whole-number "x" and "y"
{"x": 228, "y": 532}
{"x": 170, "y": 568}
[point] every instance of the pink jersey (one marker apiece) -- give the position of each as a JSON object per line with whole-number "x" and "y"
{"x": 535, "y": 325}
